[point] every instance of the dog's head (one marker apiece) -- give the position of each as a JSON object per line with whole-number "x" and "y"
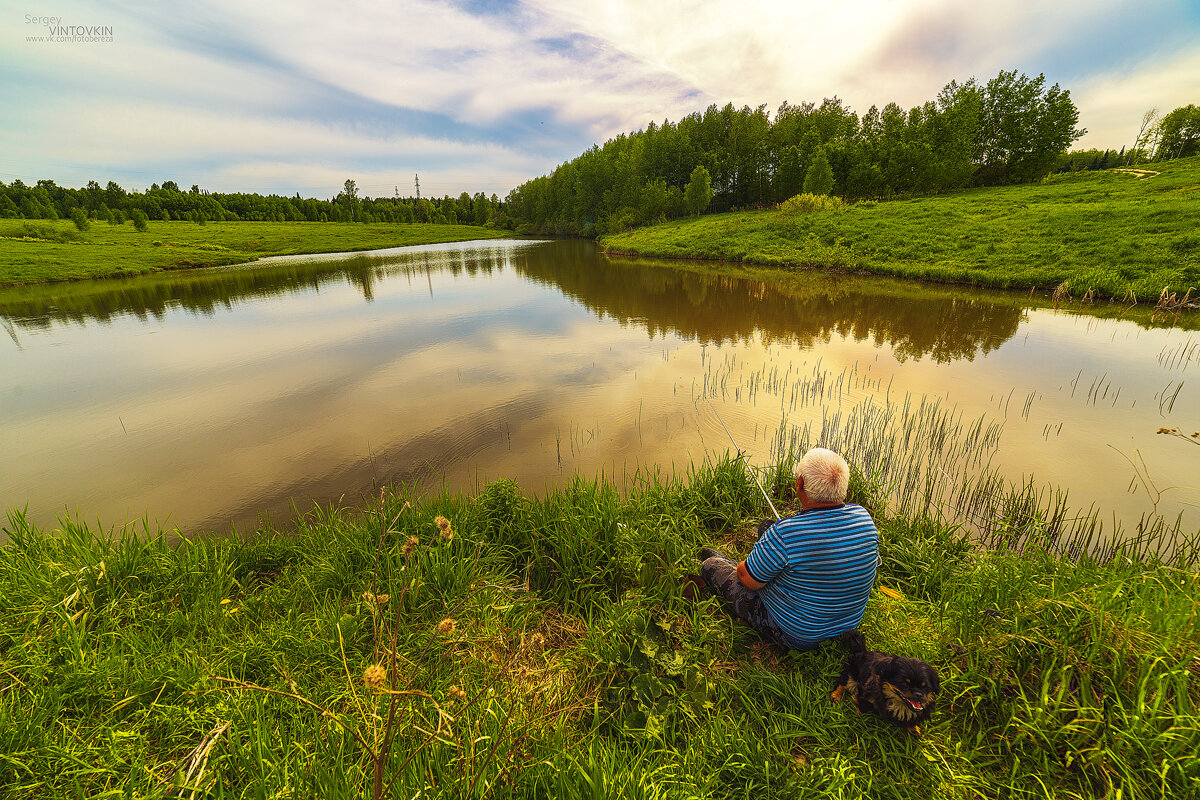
{"x": 911, "y": 685}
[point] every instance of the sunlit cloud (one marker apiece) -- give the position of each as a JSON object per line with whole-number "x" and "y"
{"x": 1111, "y": 105}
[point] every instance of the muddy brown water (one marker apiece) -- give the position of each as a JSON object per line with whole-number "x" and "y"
{"x": 215, "y": 398}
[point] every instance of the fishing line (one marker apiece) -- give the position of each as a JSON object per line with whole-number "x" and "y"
{"x": 753, "y": 474}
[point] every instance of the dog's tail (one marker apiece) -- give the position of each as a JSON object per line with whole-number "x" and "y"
{"x": 853, "y": 641}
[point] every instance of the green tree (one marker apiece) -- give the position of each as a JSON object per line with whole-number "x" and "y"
{"x": 1179, "y": 133}
{"x": 79, "y": 217}
{"x": 139, "y": 219}
{"x": 7, "y": 207}
{"x": 1023, "y": 128}
{"x": 819, "y": 178}
{"x": 349, "y": 199}
{"x": 114, "y": 195}
{"x": 789, "y": 174}
{"x": 699, "y": 191}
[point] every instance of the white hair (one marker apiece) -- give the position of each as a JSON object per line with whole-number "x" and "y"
{"x": 826, "y": 475}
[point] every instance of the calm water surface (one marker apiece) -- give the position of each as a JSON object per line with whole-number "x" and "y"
{"x": 212, "y": 398}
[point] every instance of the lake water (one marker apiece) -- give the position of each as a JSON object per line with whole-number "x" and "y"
{"x": 210, "y": 398}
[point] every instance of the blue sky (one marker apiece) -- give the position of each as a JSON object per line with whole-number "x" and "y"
{"x": 479, "y": 96}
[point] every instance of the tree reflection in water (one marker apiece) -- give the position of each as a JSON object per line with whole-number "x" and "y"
{"x": 801, "y": 308}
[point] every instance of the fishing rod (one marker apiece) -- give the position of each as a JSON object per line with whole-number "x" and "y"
{"x": 753, "y": 474}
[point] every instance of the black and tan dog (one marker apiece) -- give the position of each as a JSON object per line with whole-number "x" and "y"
{"x": 899, "y": 689}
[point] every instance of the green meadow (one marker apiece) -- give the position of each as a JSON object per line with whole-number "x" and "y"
{"x": 1117, "y": 234}
{"x": 504, "y": 645}
{"x": 37, "y": 251}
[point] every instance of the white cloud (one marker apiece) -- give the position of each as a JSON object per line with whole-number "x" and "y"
{"x": 1111, "y": 105}
{"x": 865, "y": 51}
{"x": 436, "y": 57}
{"x": 268, "y": 92}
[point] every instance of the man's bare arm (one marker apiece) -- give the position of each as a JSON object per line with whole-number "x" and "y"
{"x": 747, "y": 579}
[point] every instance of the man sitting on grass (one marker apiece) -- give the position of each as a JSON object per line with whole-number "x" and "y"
{"x": 808, "y": 576}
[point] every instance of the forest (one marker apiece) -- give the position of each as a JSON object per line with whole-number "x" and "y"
{"x": 1011, "y": 129}
{"x": 112, "y": 203}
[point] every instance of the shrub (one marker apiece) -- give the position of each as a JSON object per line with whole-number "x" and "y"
{"x": 811, "y": 203}
{"x": 79, "y": 217}
{"x": 41, "y": 232}
{"x": 139, "y": 219}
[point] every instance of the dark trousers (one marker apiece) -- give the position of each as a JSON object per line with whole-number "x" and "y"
{"x": 720, "y": 573}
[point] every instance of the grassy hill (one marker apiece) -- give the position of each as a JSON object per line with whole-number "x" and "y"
{"x": 1111, "y": 232}
{"x": 39, "y": 251}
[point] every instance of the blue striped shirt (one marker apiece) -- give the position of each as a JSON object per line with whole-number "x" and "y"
{"x": 819, "y": 567}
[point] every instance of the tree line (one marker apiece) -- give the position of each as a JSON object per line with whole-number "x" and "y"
{"x": 1010, "y": 129}
{"x": 1160, "y": 138}
{"x": 112, "y": 203}
{"x": 1174, "y": 135}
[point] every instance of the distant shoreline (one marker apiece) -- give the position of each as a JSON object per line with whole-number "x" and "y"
{"x": 1096, "y": 235}
{"x": 47, "y": 251}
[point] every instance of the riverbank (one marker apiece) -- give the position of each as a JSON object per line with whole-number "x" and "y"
{"x": 543, "y": 647}
{"x": 41, "y": 251}
{"x": 1115, "y": 234}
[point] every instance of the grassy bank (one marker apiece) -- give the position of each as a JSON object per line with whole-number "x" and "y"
{"x": 1108, "y": 232}
{"x": 38, "y": 251}
{"x": 573, "y": 666}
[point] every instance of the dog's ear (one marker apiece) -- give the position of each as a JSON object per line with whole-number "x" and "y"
{"x": 935, "y": 683}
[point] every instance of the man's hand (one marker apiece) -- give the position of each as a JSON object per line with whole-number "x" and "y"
{"x": 747, "y": 579}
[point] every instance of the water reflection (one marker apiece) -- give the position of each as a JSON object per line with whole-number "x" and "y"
{"x": 806, "y": 310}
{"x": 209, "y": 397}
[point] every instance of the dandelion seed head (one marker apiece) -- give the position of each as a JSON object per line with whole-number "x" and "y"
{"x": 447, "y": 626}
{"x": 444, "y": 529}
{"x": 374, "y": 675}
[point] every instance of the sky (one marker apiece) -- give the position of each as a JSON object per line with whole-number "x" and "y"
{"x": 286, "y": 97}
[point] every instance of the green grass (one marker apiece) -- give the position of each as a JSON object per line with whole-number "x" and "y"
{"x": 39, "y": 251}
{"x": 575, "y": 668}
{"x": 1109, "y": 232}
